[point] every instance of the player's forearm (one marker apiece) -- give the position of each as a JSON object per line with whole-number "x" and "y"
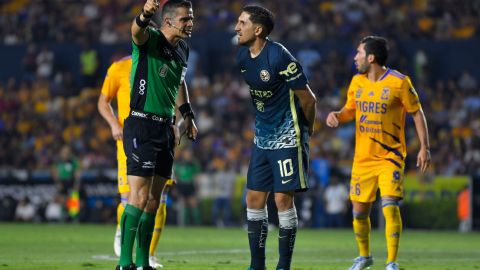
{"x": 345, "y": 115}
{"x": 139, "y": 34}
{"x": 421, "y": 127}
{"x": 310, "y": 110}
{"x": 308, "y": 102}
{"x": 182, "y": 97}
{"x": 106, "y": 111}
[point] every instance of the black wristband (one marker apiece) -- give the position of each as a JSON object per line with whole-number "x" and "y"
{"x": 186, "y": 110}
{"x": 146, "y": 16}
{"x": 140, "y": 23}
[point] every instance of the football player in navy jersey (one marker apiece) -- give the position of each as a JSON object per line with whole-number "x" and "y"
{"x": 285, "y": 116}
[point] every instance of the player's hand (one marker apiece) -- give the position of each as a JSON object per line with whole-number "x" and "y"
{"x": 117, "y": 132}
{"x": 191, "y": 129}
{"x": 332, "y": 119}
{"x": 423, "y": 159}
{"x": 176, "y": 133}
{"x": 150, "y": 7}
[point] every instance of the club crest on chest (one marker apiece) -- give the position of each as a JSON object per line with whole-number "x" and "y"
{"x": 264, "y": 75}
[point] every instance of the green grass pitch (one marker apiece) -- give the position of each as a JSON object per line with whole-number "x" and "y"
{"x": 82, "y": 247}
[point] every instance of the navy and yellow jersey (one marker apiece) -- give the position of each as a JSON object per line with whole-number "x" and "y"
{"x": 380, "y": 109}
{"x": 272, "y": 77}
{"x": 158, "y": 69}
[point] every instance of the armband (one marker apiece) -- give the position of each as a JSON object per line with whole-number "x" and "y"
{"x": 186, "y": 110}
{"x": 140, "y": 23}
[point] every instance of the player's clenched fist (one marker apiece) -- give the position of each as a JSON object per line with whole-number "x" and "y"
{"x": 332, "y": 119}
{"x": 150, "y": 7}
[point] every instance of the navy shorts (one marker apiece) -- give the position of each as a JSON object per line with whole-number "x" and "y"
{"x": 279, "y": 170}
{"x": 149, "y": 147}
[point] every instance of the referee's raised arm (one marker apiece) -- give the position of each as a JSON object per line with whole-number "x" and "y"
{"x": 139, "y": 25}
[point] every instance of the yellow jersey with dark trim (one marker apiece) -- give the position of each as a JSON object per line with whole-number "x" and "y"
{"x": 380, "y": 109}
{"x": 117, "y": 85}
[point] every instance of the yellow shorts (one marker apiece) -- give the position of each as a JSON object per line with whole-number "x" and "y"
{"x": 123, "y": 186}
{"x": 366, "y": 180}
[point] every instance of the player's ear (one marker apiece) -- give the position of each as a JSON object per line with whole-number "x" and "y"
{"x": 167, "y": 21}
{"x": 371, "y": 58}
{"x": 258, "y": 30}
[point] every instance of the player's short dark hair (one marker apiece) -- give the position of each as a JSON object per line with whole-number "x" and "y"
{"x": 262, "y": 16}
{"x": 170, "y": 7}
{"x": 378, "y": 46}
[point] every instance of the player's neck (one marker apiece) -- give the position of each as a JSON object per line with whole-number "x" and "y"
{"x": 170, "y": 37}
{"x": 257, "y": 47}
{"x": 376, "y": 72}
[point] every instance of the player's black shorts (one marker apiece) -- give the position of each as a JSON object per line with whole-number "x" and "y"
{"x": 149, "y": 144}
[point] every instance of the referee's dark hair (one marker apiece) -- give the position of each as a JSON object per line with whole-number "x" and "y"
{"x": 169, "y": 9}
{"x": 378, "y": 46}
{"x": 262, "y": 16}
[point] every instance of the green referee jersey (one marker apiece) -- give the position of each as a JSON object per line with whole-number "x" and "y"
{"x": 158, "y": 70}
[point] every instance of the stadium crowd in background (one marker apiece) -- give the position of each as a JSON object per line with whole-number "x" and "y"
{"x": 48, "y": 101}
{"x": 66, "y": 21}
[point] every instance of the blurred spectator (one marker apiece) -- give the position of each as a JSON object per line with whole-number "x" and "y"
{"x": 7, "y": 208}
{"x": 54, "y": 209}
{"x": 309, "y": 57}
{"x": 88, "y": 65}
{"x": 29, "y": 63}
{"x": 45, "y": 61}
{"x": 66, "y": 170}
{"x": 186, "y": 168}
{"x": 25, "y": 211}
{"x": 467, "y": 82}
{"x": 336, "y": 202}
{"x": 40, "y": 21}
{"x": 463, "y": 210}
{"x": 223, "y": 177}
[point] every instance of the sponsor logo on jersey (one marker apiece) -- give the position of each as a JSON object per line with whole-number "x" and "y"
{"x": 291, "y": 69}
{"x": 364, "y": 119}
{"x": 396, "y": 176}
{"x": 264, "y": 75}
{"x": 260, "y": 105}
{"x": 358, "y": 93}
{"x": 371, "y": 107}
{"x": 364, "y": 129}
{"x": 157, "y": 118}
{"x": 162, "y": 72}
{"x": 385, "y": 94}
{"x": 141, "y": 87}
{"x": 139, "y": 114}
{"x": 261, "y": 93}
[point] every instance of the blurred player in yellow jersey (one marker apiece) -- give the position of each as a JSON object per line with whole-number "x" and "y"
{"x": 117, "y": 85}
{"x": 378, "y": 99}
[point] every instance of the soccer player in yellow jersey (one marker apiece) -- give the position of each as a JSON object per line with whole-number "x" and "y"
{"x": 378, "y": 99}
{"x": 117, "y": 85}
